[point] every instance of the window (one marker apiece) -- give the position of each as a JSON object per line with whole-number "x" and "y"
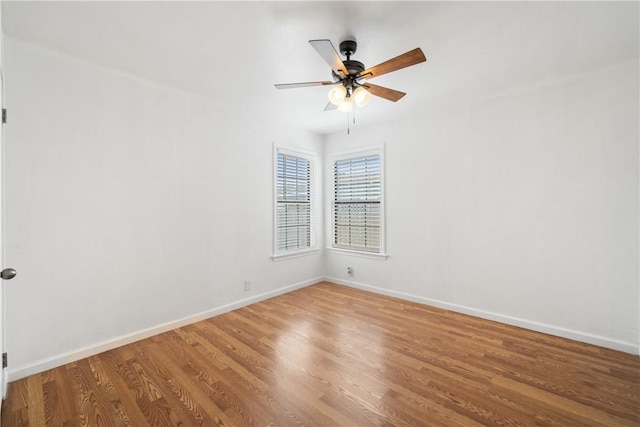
{"x": 294, "y": 210}
{"x": 357, "y": 203}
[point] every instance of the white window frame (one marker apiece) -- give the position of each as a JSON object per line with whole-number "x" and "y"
{"x": 378, "y": 150}
{"x": 313, "y": 164}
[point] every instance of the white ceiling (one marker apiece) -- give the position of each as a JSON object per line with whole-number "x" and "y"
{"x": 236, "y": 51}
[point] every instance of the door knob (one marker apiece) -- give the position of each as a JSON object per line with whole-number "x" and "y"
{"x": 8, "y": 274}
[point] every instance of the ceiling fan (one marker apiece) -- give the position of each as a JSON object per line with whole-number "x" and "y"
{"x": 349, "y": 76}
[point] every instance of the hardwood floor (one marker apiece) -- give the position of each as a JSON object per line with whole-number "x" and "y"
{"x": 328, "y": 355}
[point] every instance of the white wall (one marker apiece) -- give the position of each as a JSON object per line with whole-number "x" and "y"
{"x": 521, "y": 208}
{"x": 129, "y": 206}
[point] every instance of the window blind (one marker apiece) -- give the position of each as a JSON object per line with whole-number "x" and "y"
{"x": 293, "y": 203}
{"x": 357, "y": 198}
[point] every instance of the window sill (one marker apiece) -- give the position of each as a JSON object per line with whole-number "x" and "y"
{"x": 296, "y": 254}
{"x": 360, "y": 254}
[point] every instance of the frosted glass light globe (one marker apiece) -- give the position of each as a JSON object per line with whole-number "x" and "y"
{"x": 337, "y": 95}
{"x": 361, "y": 96}
{"x": 346, "y": 106}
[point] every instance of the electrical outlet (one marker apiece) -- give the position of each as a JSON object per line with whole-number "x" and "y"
{"x": 247, "y": 285}
{"x": 349, "y": 271}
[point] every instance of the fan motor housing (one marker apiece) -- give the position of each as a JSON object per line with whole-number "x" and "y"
{"x": 354, "y": 67}
{"x": 348, "y": 48}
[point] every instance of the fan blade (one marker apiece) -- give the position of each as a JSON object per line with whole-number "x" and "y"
{"x": 384, "y": 92}
{"x": 330, "y": 107}
{"x": 407, "y": 59}
{"x": 329, "y": 54}
{"x": 305, "y": 84}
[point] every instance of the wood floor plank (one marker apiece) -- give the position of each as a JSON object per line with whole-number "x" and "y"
{"x": 196, "y": 385}
{"x": 124, "y": 399}
{"x": 337, "y": 356}
{"x": 15, "y": 404}
{"x": 52, "y": 407}
{"x": 174, "y": 381}
{"x": 36, "y": 401}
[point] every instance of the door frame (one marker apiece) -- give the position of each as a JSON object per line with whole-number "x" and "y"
{"x": 3, "y": 370}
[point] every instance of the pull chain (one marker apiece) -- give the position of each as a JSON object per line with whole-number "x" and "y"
{"x": 348, "y": 121}
{"x": 353, "y": 110}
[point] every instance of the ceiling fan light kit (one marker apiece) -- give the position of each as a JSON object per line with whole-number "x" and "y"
{"x": 349, "y": 75}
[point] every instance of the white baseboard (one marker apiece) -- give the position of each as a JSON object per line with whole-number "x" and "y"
{"x": 585, "y": 337}
{"x": 74, "y": 355}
